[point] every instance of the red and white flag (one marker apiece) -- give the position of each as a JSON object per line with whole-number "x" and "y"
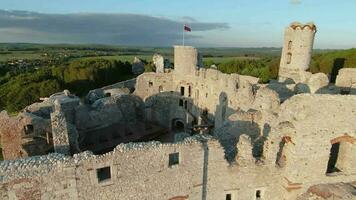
{"x": 187, "y": 28}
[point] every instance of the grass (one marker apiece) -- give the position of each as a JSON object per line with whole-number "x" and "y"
{"x": 20, "y": 55}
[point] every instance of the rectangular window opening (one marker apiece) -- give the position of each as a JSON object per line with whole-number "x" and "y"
{"x": 190, "y": 91}
{"x": 182, "y": 91}
{"x": 103, "y": 174}
{"x": 28, "y": 129}
{"x": 181, "y": 102}
{"x": 173, "y": 159}
{"x": 228, "y": 197}
{"x": 150, "y": 83}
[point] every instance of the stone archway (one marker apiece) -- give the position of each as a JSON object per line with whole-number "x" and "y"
{"x": 178, "y": 125}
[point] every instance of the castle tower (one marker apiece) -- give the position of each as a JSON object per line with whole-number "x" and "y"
{"x": 186, "y": 60}
{"x": 297, "y": 50}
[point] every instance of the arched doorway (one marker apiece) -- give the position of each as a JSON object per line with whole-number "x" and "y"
{"x": 178, "y": 125}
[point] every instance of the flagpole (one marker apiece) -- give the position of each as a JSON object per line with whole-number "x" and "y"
{"x": 183, "y": 34}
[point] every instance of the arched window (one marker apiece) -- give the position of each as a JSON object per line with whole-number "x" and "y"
{"x": 160, "y": 88}
{"x": 289, "y": 58}
{"x": 289, "y": 45}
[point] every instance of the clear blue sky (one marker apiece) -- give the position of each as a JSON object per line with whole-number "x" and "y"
{"x": 251, "y": 23}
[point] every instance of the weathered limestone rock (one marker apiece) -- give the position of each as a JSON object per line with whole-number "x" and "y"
{"x": 346, "y": 80}
{"x": 159, "y": 63}
{"x": 138, "y": 67}
{"x": 317, "y": 82}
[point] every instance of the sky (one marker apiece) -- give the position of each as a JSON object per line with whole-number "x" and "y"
{"x": 214, "y": 23}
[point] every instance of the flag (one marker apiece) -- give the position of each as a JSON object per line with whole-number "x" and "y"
{"x": 186, "y": 28}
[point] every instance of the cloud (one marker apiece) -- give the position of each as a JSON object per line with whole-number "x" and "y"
{"x": 295, "y": 2}
{"x": 119, "y": 29}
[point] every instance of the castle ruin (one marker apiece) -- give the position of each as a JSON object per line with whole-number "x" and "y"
{"x": 190, "y": 133}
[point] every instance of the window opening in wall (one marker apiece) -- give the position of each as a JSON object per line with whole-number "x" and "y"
{"x": 228, "y": 197}
{"x": 150, "y": 84}
{"x": 185, "y": 104}
{"x": 190, "y": 91}
{"x": 205, "y": 112}
{"x": 160, "y": 88}
{"x": 334, "y": 154}
{"x": 103, "y": 174}
{"x": 177, "y": 125}
{"x": 182, "y": 91}
{"x": 173, "y": 159}
{"x": 289, "y": 45}
{"x": 28, "y": 129}
{"x": 289, "y": 58}
{"x": 181, "y": 102}
{"x": 206, "y": 95}
{"x": 258, "y": 195}
{"x": 108, "y": 94}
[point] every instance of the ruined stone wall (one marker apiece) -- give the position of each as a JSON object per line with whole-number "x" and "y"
{"x": 23, "y": 135}
{"x": 346, "y": 80}
{"x": 143, "y": 171}
{"x": 167, "y": 107}
{"x": 316, "y": 123}
{"x": 152, "y": 83}
{"x": 205, "y": 88}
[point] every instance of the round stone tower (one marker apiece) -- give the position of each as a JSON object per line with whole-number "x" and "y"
{"x": 297, "y": 50}
{"x": 186, "y": 60}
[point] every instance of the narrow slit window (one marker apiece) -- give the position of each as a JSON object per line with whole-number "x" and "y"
{"x": 289, "y": 45}
{"x": 289, "y": 58}
{"x": 190, "y": 91}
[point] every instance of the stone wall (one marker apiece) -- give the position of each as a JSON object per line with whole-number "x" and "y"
{"x": 346, "y": 80}
{"x": 301, "y": 136}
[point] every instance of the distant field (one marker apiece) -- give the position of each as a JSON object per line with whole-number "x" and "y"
{"x": 15, "y": 55}
{"x": 130, "y": 58}
{"x": 123, "y": 58}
